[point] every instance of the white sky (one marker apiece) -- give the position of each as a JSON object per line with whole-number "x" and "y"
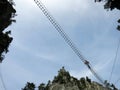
{"x": 38, "y": 51}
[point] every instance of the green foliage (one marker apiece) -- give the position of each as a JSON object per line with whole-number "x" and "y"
{"x": 41, "y": 86}
{"x": 118, "y": 25}
{"x": 110, "y": 5}
{"x": 63, "y": 81}
{"x": 5, "y": 40}
{"x": 29, "y": 86}
{"x": 83, "y": 83}
{"x": 7, "y": 12}
{"x": 62, "y": 77}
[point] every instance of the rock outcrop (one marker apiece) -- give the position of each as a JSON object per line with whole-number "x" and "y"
{"x": 64, "y": 81}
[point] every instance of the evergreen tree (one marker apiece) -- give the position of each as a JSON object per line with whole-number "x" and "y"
{"x": 110, "y": 5}
{"x": 7, "y": 12}
{"x": 41, "y": 86}
{"x": 29, "y": 86}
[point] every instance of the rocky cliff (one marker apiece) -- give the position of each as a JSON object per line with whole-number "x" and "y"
{"x": 64, "y": 81}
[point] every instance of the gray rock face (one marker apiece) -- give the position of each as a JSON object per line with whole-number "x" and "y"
{"x": 93, "y": 86}
{"x": 63, "y": 81}
{"x": 63, "y": 87}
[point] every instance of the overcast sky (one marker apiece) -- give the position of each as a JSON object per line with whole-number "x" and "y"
{"x": 38, "y": 51}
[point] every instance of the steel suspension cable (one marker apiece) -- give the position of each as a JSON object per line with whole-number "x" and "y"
{"x": 66, "y": 38}
{"x": 59, "y": 29}
{"x": 115, "y": 59}
{"x": 2, "y": 80}
{"x": 117, "y": 81}
{"x": 96, "y": 75}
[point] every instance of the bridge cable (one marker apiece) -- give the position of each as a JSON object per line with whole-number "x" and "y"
{"x": 117, "y": 81}
{"x": 1, "y": 78}
{"x": 66, "y": 38}
{"x": 115, "y": 59}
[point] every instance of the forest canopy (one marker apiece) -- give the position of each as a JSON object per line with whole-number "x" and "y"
{"x": 7, "y": 13}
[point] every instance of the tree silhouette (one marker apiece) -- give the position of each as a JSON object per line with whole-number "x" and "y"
{"x": 41, "y": 86}
{"x": 110, "y": 5}
{"x": 7, "y": 12}
{"x": 29, "y": 86}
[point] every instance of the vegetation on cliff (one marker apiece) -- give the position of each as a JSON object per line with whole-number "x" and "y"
{"x": 64, "y": 81}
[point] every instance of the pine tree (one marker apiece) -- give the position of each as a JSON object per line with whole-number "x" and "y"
{"x": 29, "y": 86}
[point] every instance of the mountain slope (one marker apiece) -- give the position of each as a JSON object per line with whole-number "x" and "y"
{"x": 64, "y": 81}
